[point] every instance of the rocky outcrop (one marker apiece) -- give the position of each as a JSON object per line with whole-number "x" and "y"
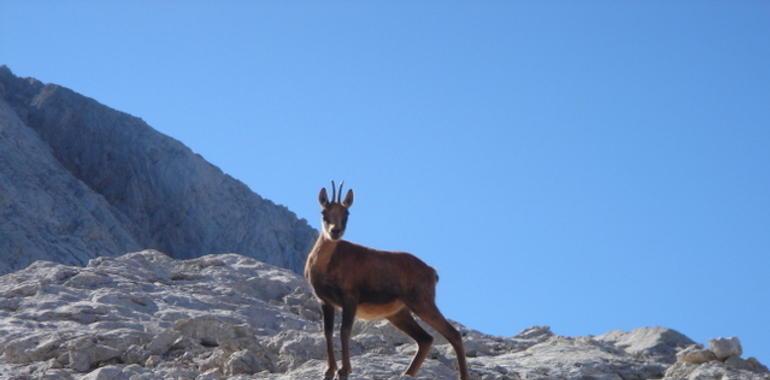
{"x": 145, "y": 315}
{"x": 724, "y": 348}
{"x": 79, "y": 180}
{"x": 722, "y": 360}
{"x": 657, "y": 343}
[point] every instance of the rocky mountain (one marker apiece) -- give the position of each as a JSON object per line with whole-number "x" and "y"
{"x": 80, "y": 184}
{"x": 80, "y": 180}
{"x": 145, "y": 315}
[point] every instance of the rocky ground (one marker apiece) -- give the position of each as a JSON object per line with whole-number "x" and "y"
{"x": 147, "y": 316}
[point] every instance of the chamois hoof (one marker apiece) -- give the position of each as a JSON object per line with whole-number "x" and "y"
{"x": 342, "y": 375}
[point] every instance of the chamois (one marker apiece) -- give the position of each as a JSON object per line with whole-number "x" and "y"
{"x": 372, "y": 284}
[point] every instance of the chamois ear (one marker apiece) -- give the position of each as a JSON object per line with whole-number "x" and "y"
{"x": 348, "y": 199}
{"x": 323, "y": 198}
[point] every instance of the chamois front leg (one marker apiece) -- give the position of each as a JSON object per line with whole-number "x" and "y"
{"x": 328, "y": 312}
{"x": 348, "y": 316}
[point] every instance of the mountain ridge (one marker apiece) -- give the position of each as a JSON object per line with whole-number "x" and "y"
{"x": 159, "y": 193}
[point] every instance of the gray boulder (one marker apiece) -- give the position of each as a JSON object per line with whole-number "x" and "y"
{"x": 724, "y": 348}
{"x": 695, "y": 354}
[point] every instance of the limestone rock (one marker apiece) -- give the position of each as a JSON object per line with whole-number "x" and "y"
{"x": 244, "y": 362}
{"x": 655, "y": 342}
{"x": 146, "y": 316}
{"x": 162, "y": 342}
{"x": 697, "y": 363}
{"x": 106, "y": 373}
{"x": 80, "y": 180}
{"x": 724, "y": 348}
{"x": 713, "y": 370}
{"x": 86, "y": 353}
{"x": 695, "y": 354}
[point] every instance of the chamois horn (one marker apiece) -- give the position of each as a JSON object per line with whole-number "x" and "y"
{"x": 339, "y": 194}
{"x": 334, "y": 192}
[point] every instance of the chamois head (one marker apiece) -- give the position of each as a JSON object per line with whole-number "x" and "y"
{"x": 335, "y": 213}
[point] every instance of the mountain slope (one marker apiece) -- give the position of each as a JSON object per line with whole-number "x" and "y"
{"x": 45, "y": 212}
{"x": 149, "y": 190}
{"x": 147, "y": 316}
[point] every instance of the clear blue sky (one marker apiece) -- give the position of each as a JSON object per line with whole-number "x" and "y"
{"x": 590, "y": 166}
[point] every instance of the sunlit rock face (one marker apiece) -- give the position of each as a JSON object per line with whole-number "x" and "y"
{"x": 79, "y": 180}
{"x": 145, "y": 315}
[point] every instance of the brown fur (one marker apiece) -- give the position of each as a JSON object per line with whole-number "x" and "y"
{"x": 373, "y": 284}
{"x": 339, "y": 269}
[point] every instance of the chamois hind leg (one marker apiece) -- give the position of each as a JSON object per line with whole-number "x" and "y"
{"x": 404, "y": 321}
{"x": 328, "y": 314}
{"x": 429, "y": 312}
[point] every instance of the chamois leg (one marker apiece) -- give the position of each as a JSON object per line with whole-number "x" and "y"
{"x": 429, "y": 313}
{"x": 328, "y": 312}
{"x": 348, "y": 316}
{"x": 404, "y": 321}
